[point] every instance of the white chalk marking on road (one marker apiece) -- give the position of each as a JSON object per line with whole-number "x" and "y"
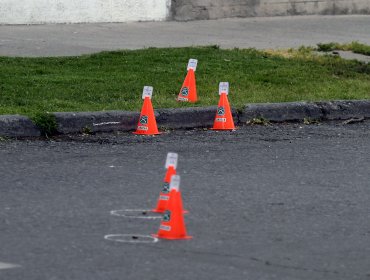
{"x": 8, "y": 265}
{"x": 134, "y": 213}
{"x": 105, "y": 123}
{"x": 131, "y": 238}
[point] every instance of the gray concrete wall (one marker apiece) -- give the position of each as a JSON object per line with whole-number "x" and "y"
{"x": 72, "y": 11}
{"x": 213, "y": 9}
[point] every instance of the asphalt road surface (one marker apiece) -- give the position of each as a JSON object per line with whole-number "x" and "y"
{"x": 275, "y": 202}
{"x": 261, "y": 33}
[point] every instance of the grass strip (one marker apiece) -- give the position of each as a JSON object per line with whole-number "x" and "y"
{"x": 114, "y": 80}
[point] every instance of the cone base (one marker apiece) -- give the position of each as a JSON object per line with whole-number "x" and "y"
{"x": 149, "y": 134}
{"x": 231, "y": 129}
{"x": 162, "y": 211}
{"x": 172, "y": 238}
{"x": 157, "y": 211}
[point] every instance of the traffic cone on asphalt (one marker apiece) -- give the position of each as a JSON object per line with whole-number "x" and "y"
{"x": 164, "y": 196}
{"x": 147, "y": 124}
{"x": 188, "y": 92}
{"x": 224, "y": 118}
{"x": 173, "y": 224}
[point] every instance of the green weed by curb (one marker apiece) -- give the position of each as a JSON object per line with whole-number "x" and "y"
{"x": 46, "y": 122}
{"x": 259, "y": 121}
{"x": 87, "y": 130}
{"x": 308, "y": 121}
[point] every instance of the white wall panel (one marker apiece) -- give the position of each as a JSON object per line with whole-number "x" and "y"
{"x": 76, "y": 11}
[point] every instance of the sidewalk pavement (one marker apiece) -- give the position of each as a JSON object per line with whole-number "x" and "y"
{"x": 261, "y": 33}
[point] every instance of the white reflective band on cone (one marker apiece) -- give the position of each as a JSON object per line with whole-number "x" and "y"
{"x": 147, "y": 92}
{"x": 192, "y": 64}
{"x": 171, "y": 160}
{"x": 223, "y": 88}
{"x": 164, "y": 227}
{"x": 175, "y": 183}
{"x": 141, "y": 127}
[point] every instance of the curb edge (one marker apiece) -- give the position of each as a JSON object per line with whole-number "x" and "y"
{"x": 187, "y": 118}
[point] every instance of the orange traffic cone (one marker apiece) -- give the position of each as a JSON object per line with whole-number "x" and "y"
{"x": 147, "y": 124}
{"x": 188, "y": 92}
{"x": 164, "y": 196}
{"x": 173, "y": 225}
{"x": 224, "y": 118}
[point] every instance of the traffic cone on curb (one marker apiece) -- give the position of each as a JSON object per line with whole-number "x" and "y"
{"x": 173, "y": 224}
{"x": 224, "y": 118}
{"x": 164, "y": 196}
{"x": 188, "y": 92}
{"x": 147, "y": 124}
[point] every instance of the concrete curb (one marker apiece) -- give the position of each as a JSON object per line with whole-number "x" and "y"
{"x": 68, "y": 123}
{"x": 342, "y": 110}
{"x": 183, "y": 118}
{"x": 298, "y": 111}
{"x": 189, "y": 117}
{"x": 17, "y": 126}
{"x": 281, "y": 112}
